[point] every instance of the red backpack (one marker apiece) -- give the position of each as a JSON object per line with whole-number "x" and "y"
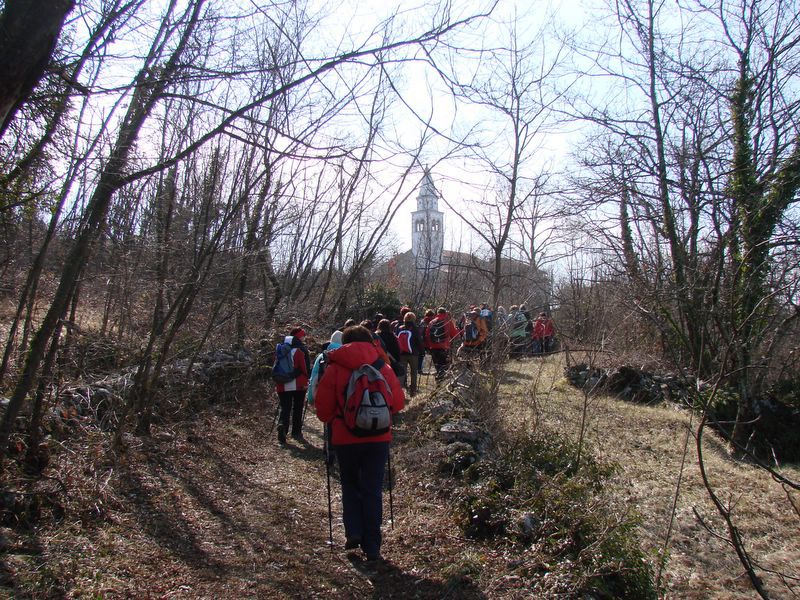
{"x": 367, "y": 400}
{"x": 404, "y": 341}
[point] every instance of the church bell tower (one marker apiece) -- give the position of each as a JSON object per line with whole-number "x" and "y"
{"x": 427, "y": 235}
{"x": 427, "y": 240}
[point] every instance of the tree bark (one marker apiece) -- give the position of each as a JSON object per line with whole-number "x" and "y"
{"x": 29, "y": 30}
{"x": 148, "y": 89}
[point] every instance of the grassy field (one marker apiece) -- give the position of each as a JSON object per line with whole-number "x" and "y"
{"x": 655, "y": 448}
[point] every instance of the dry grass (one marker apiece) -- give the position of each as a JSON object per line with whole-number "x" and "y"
{"x": 648, "y": 444}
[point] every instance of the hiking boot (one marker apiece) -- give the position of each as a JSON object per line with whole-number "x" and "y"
{"x": 298, "y": 437}
{"x": 351, "y": 543}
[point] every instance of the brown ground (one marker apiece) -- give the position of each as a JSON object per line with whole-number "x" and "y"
{"x": 212, "y": 508}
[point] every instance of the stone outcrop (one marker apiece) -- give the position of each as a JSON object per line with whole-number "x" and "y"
{"x": 628, "y": 383}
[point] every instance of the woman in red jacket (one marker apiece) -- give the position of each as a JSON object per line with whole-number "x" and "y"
{"x": 361, "y": 459}
{"x": 292, "y": 393}
{"x": 542, "y": 332}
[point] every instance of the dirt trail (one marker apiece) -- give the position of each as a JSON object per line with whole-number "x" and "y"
{"x": 214, "y": 508}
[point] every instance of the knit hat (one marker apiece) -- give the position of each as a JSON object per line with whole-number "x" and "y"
{"x": 336, "y": 337}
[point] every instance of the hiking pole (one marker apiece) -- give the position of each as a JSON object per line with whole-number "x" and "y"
{"x": 328, "y": 478}
{"x": 391, "y": 485}
{"x": 275, "y": 416}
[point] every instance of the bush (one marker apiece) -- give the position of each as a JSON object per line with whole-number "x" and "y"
{"x": 566, "y": 514}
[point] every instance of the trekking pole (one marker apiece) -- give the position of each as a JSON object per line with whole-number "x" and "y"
{"x": 428, "y": 374}
{"x": 275, "y": 417}
{"x": 328, "y": 478}
{"x": 391, "y": 485}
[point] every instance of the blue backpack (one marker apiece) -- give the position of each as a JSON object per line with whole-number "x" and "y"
{"x": 283, "y": 370}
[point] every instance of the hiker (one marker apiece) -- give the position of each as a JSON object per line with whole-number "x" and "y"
{"x": 292, "y": 392}
{"x": 299, "y": 334}
{"x": 411, "y": 344}
{"x": 487, "y": 315}
{"x": 398, "y": 323}
{"x": 474, "y": 334}
{"x": 549, "y": 339}
{"x": 361, "y": 459}
{"x": 376, "y": 341}
{"x": 518, "y": 334}
{"x": 423, "y": 330}
{"x": 313, "y": 380}
{"x": 528, "y": 326}
{"x": 384, "y": 331}
{"x": 501, "y": 316}
{"x": 538, "y": 334}
{"x": 439, "y": 335}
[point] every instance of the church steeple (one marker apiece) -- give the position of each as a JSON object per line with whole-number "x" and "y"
{"x": 428, "y": 199}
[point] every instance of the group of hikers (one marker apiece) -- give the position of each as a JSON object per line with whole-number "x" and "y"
{"x": 358, "y": 383}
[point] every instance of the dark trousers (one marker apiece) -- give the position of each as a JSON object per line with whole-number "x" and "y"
{"x": 410, "y": 362}
{"x": 291, "y": 403}
{"x": 361, "y": 468}
{"x": 441, "y": 361}
{"x": 519, "y": 345}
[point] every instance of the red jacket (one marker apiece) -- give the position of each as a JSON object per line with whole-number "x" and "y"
{"x": 301, "y": 381}
{"x": 450, "y": 332}
{"x": 538, "y": 329}
{"x": 329, "y": 399}
{"x": 423, "y": 327}
{"x": 549, "y": 328}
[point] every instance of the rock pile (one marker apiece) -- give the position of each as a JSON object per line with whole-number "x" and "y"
{"x": 216, "y": 365}
{"x": 460, "y": 436}
{"x": 628, "y": 383}
{"x": 100, "y": 402}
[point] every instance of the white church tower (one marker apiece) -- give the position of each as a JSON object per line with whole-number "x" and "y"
{"x": 427, "y": 222}
{"x": 427, "y": 240}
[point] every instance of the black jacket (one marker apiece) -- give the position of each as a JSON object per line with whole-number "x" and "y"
{"x": 390, "y": 344}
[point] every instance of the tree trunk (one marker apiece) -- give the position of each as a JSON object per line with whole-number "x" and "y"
{"x": 29, "y": 30}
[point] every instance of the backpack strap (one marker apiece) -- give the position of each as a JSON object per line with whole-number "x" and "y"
{"x": 378, "y": 364}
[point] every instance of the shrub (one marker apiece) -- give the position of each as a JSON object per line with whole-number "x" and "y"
{"x": 575, "y": 521}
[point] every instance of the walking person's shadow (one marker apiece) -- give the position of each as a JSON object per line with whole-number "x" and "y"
{"x": 389, "y": 581}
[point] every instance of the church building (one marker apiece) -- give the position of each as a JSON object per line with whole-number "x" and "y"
{"x": 429, "y": 274}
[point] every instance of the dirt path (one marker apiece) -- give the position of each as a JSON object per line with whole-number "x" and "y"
{"x": 214, "y": 508}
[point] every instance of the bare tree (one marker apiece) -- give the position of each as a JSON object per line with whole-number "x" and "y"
{"x": 513, "y": 90}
